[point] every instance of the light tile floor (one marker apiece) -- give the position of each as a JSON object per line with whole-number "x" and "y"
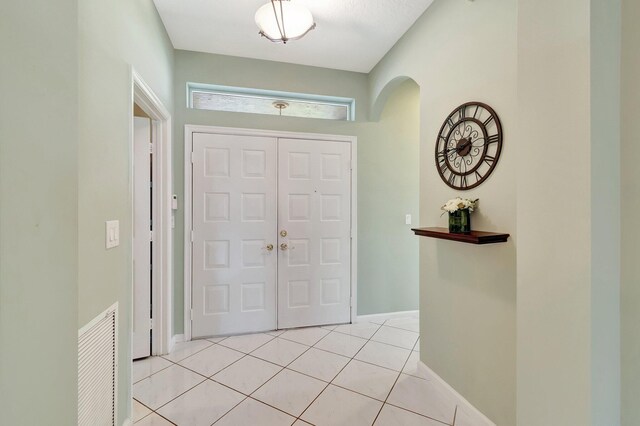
{"x": 356, "y": 374}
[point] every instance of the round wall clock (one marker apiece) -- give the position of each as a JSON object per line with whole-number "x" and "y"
{"x": 468, "y": 145}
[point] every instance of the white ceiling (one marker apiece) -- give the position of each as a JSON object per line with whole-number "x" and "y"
{"x": 350, "y": 35}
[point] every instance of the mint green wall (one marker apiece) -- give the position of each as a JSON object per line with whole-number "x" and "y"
{"x": 70, "y": 153}
{"x": 556, "y": 89}
{"x": 38, "y": 213}
{"x": 630, "y": 206}
{"x": 387, "y": 262}
{"x": 604, "y": 67}
{"x": 113, "y": 36}
{"x": 388, "y": 188}
{"x": 459, "y": 51}
{"x": 569, "y": 265}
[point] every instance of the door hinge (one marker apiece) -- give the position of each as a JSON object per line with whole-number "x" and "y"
{"x": 351, "y": 302}
{"x": 192, "y": 235}
{"x": 150, "y": 323}
{"x": 150, "y": 148}
{"x": 191, "y": 314}
{"x": 151, "y": 236}
{"x": 191, "y": 157}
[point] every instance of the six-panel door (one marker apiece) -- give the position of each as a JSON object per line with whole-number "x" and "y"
{"x": 314, "y": 210}
{"x": 253, "y": 271}
{"x": 234, "y": 224}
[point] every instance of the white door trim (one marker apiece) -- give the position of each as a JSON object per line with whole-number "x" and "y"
{"x": 162, "y": 260}
{"x": 190, "y": 129}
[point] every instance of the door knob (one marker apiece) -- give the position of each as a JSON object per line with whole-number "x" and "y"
{"x": 269, "y": 247}
{"x": 283, "y": 233}
{"x": 284, "y": 246}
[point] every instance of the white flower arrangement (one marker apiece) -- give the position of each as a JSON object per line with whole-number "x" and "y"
{"x": 459, "y": 204}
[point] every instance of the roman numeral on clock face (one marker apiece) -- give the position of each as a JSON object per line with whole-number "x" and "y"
{"x": 488, "y": 121}
{"x": 493, "y": 139}
{"x": 462, "y": 113}
{"x": 489, "y": 159}
{"x": 443, "y": 167}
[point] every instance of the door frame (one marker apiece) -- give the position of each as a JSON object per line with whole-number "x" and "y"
{"x": 190, "y": 129}
{"x": 162, "y": 259}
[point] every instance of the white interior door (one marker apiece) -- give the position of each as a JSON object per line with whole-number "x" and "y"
{"x": 142, "y": 238}
{"x": 314, "y": 209}
{"x": 234, "y": 225}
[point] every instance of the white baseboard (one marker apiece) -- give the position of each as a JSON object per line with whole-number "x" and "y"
{"x": 386, "y": 316}
{"x": 479, "y": 418}
{"x": 178, "y": 338}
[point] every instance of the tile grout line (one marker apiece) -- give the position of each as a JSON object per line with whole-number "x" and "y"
{"x": 168, "y": 360}
{"x": 417, "y": 414}
{"x": 189, "y": 356}
{"x": 273, "y": 337}
{"x": 400, "y": 328}
{"x": 342, "y": 369}
{"x": 202, "y": 375}
{"x": 177, "y": 363}
{"x": 322, "y": 380}
{"x": 406, "y": 409}
{"x": 145, "y": 416}
{"x": 230, "y": 409}
{"x": 385, "y": 343}
{"x": 287, "y": 367}
{"x": 178, "y": 396}
{"x": 292, "y": 361}
{"x": 394, "y": 383}
{"x": 271, "y": 378}
{"x": 238, "y": 360}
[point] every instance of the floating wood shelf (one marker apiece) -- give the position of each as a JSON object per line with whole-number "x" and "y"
{"x": 475, "y": 237}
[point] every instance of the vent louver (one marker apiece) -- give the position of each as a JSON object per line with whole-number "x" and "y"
{"x": 97, "y": 370}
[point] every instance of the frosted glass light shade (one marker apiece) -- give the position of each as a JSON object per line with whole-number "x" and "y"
{"x": 284, "y": 20}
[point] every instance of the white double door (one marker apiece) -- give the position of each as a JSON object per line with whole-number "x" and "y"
{"x": 271, "y": 243}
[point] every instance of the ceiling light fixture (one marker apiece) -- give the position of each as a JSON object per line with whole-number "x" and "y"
{"x": 283, "y": 20}
{"x": 280, "y": 105}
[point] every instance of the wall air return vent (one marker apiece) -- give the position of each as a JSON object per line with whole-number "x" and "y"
{"x": 97, "y": 370}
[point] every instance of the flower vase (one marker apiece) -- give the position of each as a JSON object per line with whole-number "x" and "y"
{"x": 460, "y": 222}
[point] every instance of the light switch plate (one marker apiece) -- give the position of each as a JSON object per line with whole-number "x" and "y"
{"x": 112, "y": 234}
{"x": 407, "y": 219}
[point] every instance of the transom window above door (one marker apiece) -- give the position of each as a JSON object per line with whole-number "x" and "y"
{"x": 257, "y": 101}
